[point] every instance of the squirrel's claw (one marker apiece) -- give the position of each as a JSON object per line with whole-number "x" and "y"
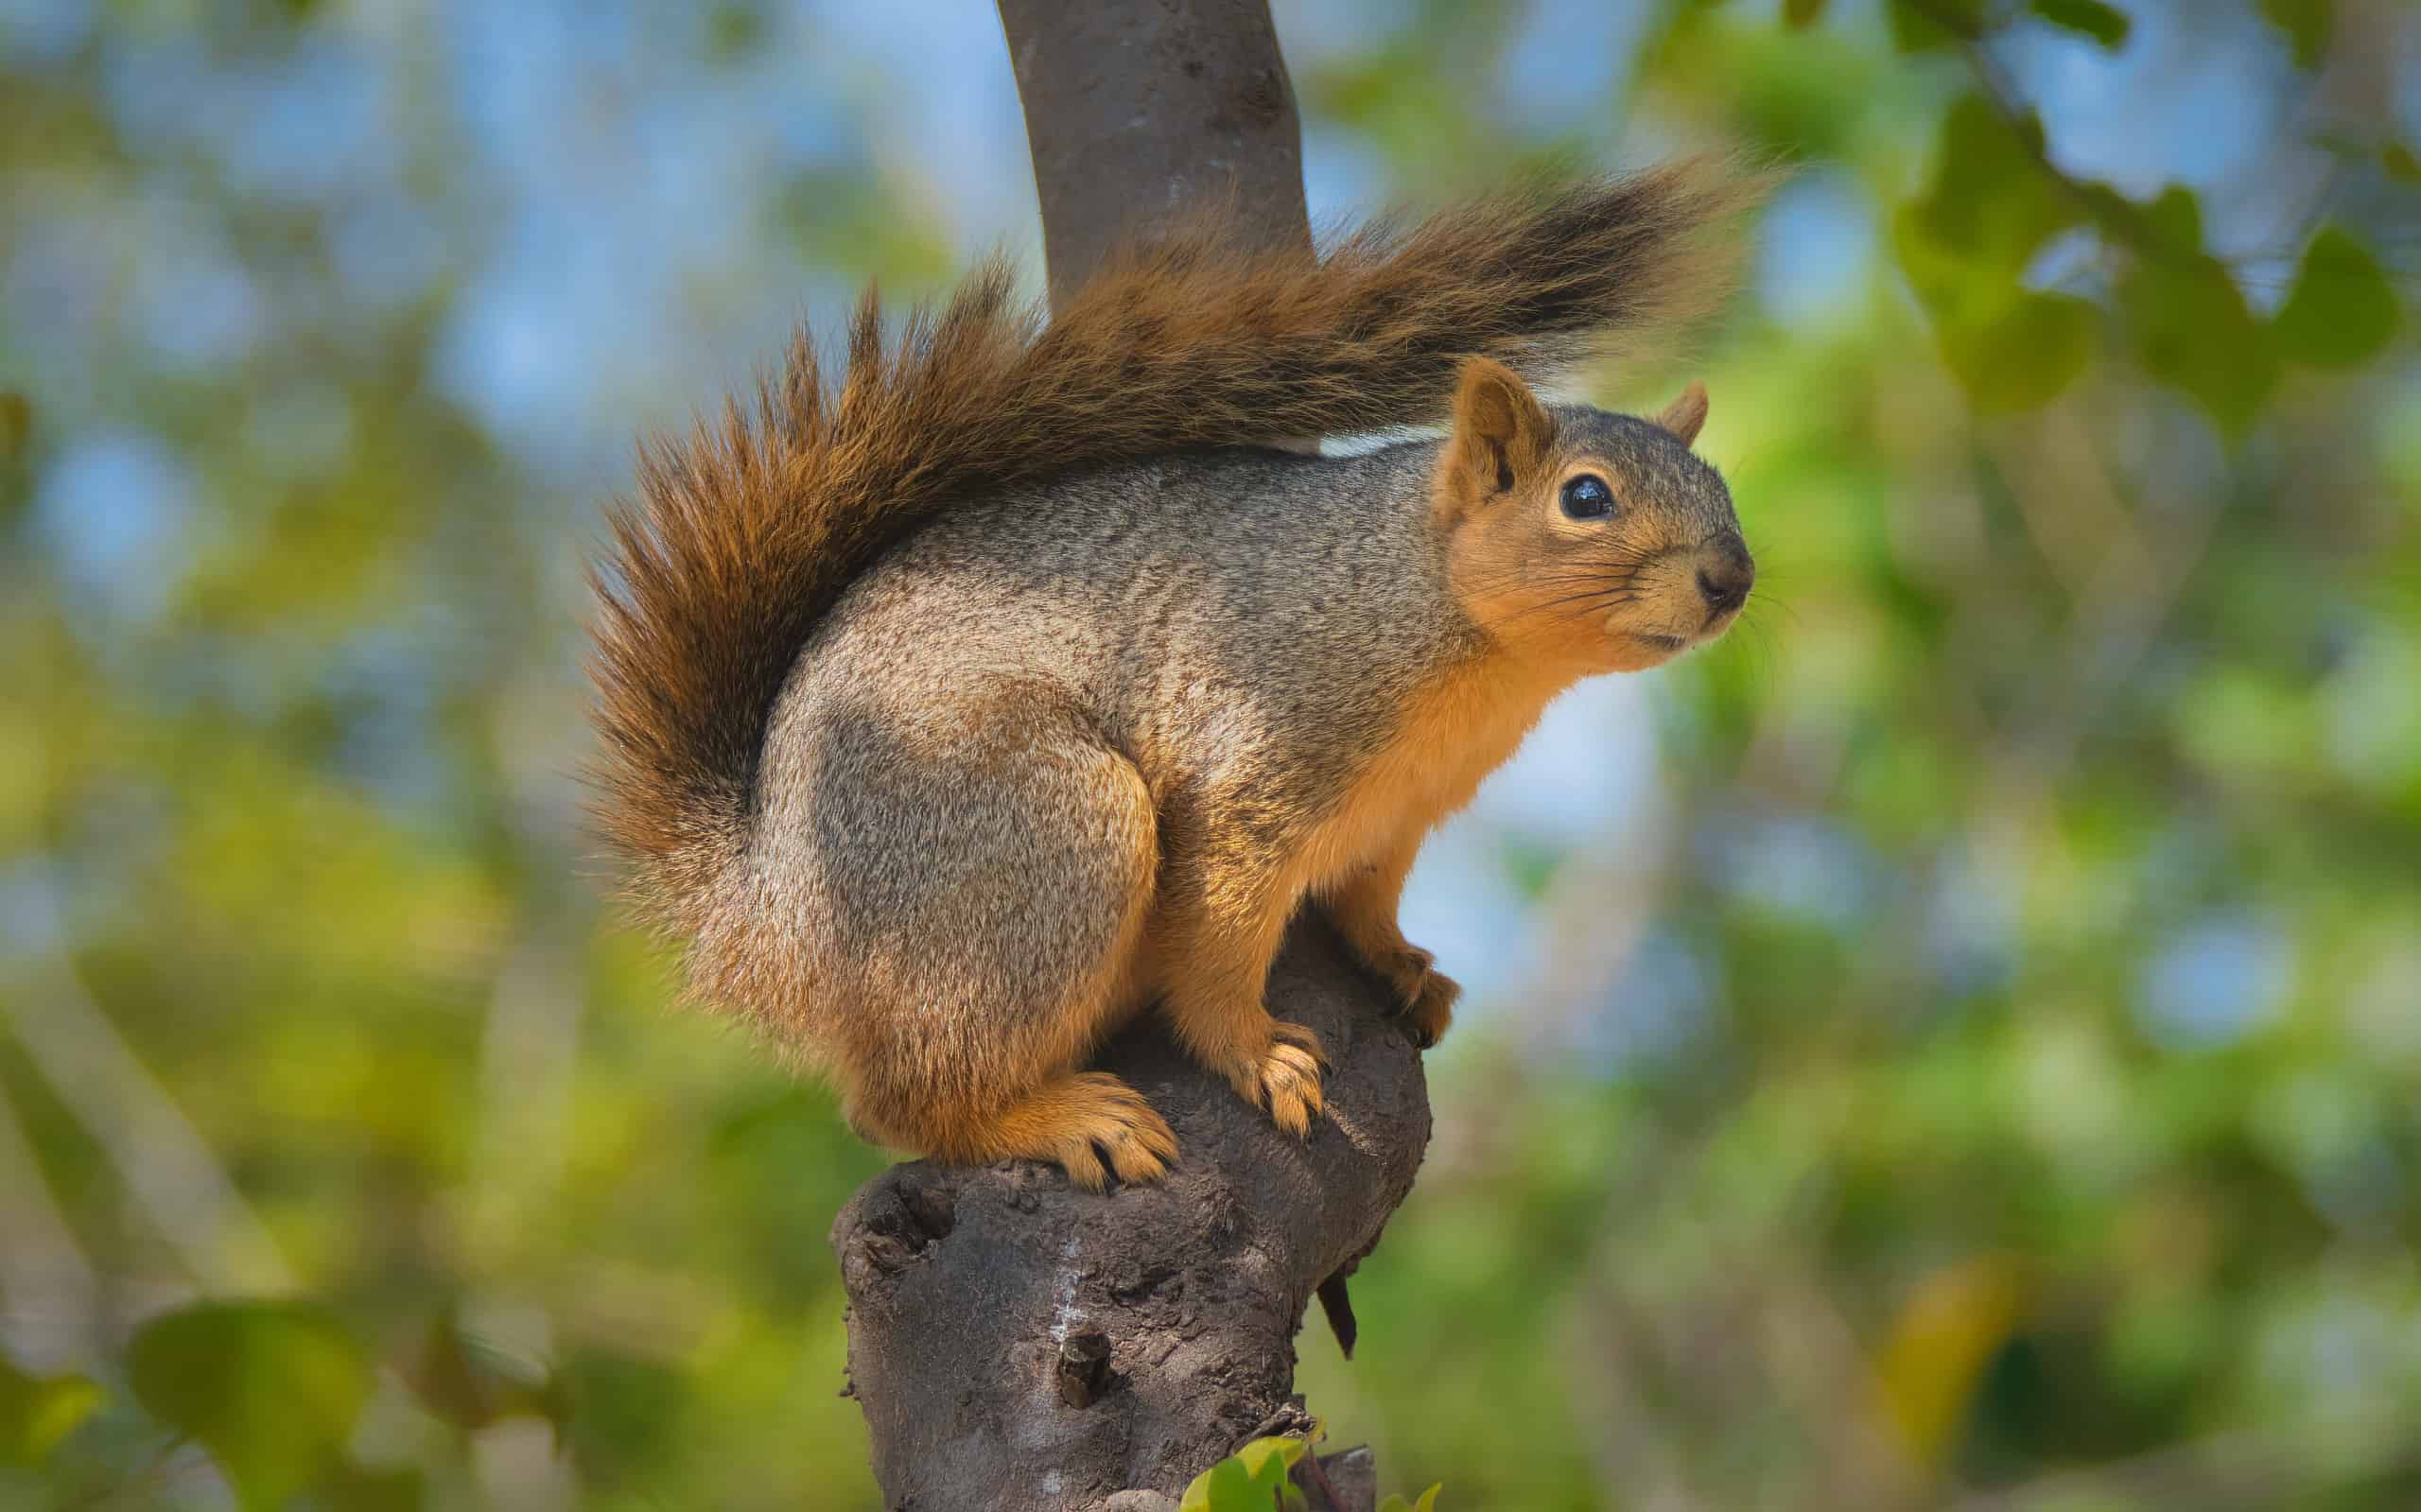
{"x": 1104, "y": 1127}
{"x": 1425, "y": 996}
{"x": 1285, "y": 1080}
{"x": 1432, "y": 1009}
{"x": 1297, "y": 1035}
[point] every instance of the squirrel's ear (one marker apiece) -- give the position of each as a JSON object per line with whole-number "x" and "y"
{"x": 1501, "y": 433}
{"x": 1684, "y": 416}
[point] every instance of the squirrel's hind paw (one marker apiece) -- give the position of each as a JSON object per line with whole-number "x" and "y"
{"x": 1092, "y": 1125}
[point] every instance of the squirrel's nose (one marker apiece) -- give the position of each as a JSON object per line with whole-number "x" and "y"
{"x": 1724, "y": 583}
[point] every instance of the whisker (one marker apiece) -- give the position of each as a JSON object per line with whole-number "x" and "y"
{"x": 1592, "y": 597}
{"x": 1585, "y": 602}
{"x": 1766, "y": 600}
{"x": 1560, "y": 580}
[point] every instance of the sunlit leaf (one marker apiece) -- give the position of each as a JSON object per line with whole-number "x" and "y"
{"x": 271, "y": 1389}
{"x": 36, "y": 1412}
{"x": 2106, "y": 25}
{"x": 1938, "y": 1347}
{"x": 1267, "y": 1461}
{"x": 1226, "y": 1486}
{"x": 2342, "y": 310}
{"x": 1261, "y": 1453}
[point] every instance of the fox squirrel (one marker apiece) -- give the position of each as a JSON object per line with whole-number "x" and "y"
{"x": 954, "y": 715}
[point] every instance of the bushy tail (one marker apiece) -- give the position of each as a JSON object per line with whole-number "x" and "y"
{"x": 747, "y": 531}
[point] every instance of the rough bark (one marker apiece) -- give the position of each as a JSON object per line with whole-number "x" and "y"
{"x": 1016, "y": 1343}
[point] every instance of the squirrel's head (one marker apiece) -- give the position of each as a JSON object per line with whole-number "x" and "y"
{"x": 1591, "y": 541}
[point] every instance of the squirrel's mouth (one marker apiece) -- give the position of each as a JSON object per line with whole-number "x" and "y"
{"x": 1669, "y": 645}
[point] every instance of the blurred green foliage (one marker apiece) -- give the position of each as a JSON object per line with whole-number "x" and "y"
{"x": 2030, "y": 894}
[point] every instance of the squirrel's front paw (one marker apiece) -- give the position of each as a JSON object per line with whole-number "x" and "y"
{"x": 1424, "y": 995}
{"x": 1284, "y": 1077}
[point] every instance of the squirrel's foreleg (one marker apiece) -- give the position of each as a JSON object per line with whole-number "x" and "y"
{"x": 1217, "y": 926}
{"x": 1363, "y": 907}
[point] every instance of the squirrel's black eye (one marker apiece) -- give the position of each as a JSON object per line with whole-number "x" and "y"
{"x": 1587, "y": 498}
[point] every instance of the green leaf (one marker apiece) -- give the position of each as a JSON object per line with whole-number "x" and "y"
{"x": 1260, "y": 1451}
{"x": 2307, "y": 24}
{"x": 1226, "y": 1486}
{"x": 2342, "y": 311}
{"x": 1917, "y": 28}
{"x": 2024, "y": 354}
{"x": 1965, "y": 245}
{"x": 2106, "y": 25}
{"x": 1267, "y": 1460}
{"x": 1990, "y": 206}
{"x": 2175, "y": 222}
{"x": 36, "y": 1412}
{"x": 1428, "y": 1502}
{"x": 2400, "y": 162}
{"x": 1802, "y": 12}
{"x": 271, "y": 1389}
{"x": 2193, "y": 331}
{"x": 1263, "y": 1452}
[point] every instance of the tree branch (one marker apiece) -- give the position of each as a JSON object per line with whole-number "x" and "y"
{"x": 977, "y": 1296}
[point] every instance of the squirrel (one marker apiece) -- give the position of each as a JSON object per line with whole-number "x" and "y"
{"x": 1017, "y": 682}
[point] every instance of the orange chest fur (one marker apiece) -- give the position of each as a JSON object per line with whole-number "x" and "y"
{"x": 1454, "y": 736}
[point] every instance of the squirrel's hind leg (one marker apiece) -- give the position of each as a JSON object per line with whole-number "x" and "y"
{"x": 991, "y": 886}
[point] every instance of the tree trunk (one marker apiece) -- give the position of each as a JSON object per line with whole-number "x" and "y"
{"x": 1018, "y": 1343}
{"x": 1135, "y": 113}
